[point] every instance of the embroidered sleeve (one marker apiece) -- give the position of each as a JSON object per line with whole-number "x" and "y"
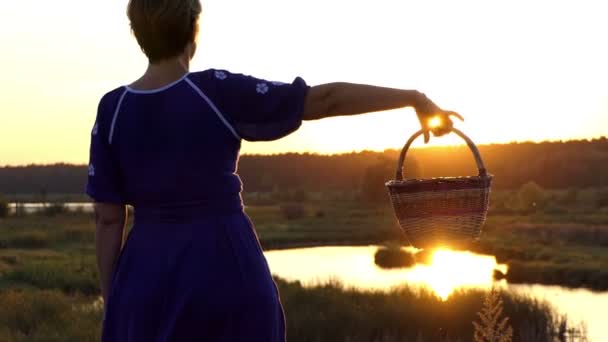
{"x": 260, "y": 110}
{"x": 103, "y": 172}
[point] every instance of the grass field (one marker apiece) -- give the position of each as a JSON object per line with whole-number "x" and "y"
{"x": 49, "y": 282}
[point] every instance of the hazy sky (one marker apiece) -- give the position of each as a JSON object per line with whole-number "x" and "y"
{"x": 517, "y": 70}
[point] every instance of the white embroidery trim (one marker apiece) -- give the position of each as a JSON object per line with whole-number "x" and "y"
{"x": 220, "y": 75}
{"x": 262, "y": 88}
{"x": 157, "y": 90}
{"x": 214, "y": 108}
{"x": 122, "y": 97}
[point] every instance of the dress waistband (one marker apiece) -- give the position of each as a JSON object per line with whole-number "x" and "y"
{"x": 180, "y": 212}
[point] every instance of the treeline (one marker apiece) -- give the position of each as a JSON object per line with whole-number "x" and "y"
{"x": 552, "y": 165}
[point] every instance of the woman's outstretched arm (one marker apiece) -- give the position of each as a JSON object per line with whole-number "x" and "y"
{"x": 337, "y": 99}
{"x": 110, "y": 222}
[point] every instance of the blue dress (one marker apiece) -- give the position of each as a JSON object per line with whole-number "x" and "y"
{"x": 192, "y": 268}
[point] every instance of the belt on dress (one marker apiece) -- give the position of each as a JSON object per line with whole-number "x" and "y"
{"x": 179, "y": 212}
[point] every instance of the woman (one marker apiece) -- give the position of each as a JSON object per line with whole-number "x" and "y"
{"x": 168, "y": 144}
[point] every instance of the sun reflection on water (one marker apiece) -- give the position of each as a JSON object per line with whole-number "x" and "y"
{"x": 450, "y": 270}
{"x": 445, "y": 272}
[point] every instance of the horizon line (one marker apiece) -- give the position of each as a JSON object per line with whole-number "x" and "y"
{"x": 547, "y": 141}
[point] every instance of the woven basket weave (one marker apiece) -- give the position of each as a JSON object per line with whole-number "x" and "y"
{"x": 447, "y": 211}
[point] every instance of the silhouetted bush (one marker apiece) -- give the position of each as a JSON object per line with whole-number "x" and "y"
{"x": 393, "y": 256}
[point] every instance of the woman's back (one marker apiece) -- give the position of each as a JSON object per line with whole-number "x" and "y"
{"x": 179, "y": 144}
{"x": 192, "y": 268}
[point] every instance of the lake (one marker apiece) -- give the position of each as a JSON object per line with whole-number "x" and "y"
{"x": 32, "y": 208}
{"x": 449, "y": 271}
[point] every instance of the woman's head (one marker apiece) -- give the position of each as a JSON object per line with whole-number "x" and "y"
{"x": 164, "y": 28}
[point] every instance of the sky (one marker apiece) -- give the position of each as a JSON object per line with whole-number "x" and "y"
{"x": 516, "y": 70}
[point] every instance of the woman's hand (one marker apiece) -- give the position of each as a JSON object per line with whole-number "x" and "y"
{"x": 433, "y": 118}
{"x": 335, "y": 99}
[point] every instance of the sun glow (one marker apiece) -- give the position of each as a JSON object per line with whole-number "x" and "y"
{"x": 450, "y": 270}
{"x": 506, "y": 80}
{"x": 445, "y": 272}
{"x": 435, "y": 122}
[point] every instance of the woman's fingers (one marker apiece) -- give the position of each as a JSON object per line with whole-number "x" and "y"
{"x": 449, "y": 113}
{"x": 443, "y": 129}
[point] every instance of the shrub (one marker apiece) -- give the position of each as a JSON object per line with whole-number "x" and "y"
{"x": 393, "y": 256}
{"x": 293, "y": 211}
{"x": 531, "y": 196}
{"x": 373, "y": 189}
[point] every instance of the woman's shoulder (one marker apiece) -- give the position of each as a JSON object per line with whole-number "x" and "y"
{"x": 111, "y": 97}
{"x": 219, "y": 76}
{"x": 208, "y": 76}
{"x": 106, "y": 107}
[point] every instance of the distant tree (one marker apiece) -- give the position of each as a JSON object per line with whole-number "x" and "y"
{"x": 531, "y": 196}
{"x": 3, "y": 207}
{"x": 372, "y": 188}
{"x": 551, "y": 165}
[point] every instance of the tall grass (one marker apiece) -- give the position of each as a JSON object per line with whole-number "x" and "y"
{"x": 332, "y": 313}
{"x": 46, "y": 316}
{"x": 69, "y": 275}
{"x": 492, "y": 325}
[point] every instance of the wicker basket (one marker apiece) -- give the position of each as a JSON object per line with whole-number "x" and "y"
{"x": 446, "y": 211}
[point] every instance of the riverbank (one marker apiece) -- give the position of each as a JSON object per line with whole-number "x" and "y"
{"x": 557, "y": 249}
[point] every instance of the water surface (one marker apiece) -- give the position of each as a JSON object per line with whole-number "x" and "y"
{"x": 448, "y": 271}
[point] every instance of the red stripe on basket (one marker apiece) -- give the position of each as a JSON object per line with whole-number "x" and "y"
{"x": 410, "y": 186}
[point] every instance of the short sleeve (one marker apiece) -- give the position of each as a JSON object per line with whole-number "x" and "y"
{"x": 259, "y": 110}
{"x": 104, "y": 176}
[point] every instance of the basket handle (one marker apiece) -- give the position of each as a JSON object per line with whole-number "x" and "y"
{"x": 476, "y": 154}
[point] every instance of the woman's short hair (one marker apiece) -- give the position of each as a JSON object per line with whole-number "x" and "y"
{"x": 163, "y": 28}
